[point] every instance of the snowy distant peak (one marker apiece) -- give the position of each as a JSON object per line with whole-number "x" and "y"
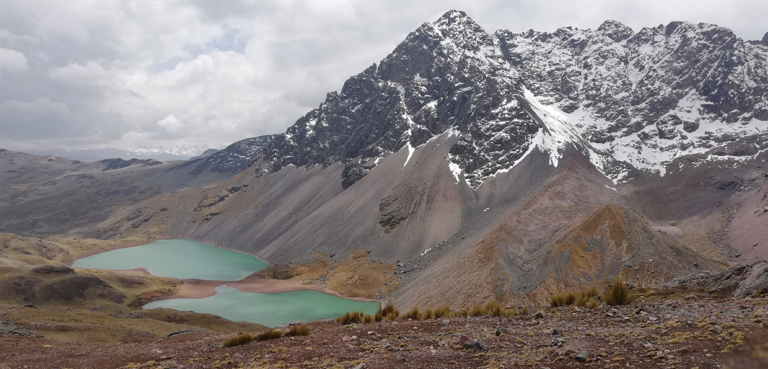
{"x": 182, "y": 152}
{"x": 232, "y": 159}
{"x": 615, "y": 30}
{"x": 461, "y": 29}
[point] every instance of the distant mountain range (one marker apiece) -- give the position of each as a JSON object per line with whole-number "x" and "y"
{"x": 157, "y": 153}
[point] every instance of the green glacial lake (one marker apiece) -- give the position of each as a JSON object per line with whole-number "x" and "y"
{"x": 269, "y": 309}
{"x": 181, "y": 259}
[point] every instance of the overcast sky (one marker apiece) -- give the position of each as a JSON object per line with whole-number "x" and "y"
{"x": 118, "y": 73}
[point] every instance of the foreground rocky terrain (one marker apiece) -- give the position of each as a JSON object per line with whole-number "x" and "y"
{"x": 660, "y": 329}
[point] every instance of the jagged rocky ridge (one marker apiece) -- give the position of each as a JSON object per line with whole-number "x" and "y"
{"x": 233, "y": 158}
{"x": 630, "y": 101}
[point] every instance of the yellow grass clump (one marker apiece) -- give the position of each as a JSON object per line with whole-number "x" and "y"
{"x": 476, "y": 310}
{"x": 368, "y": 318}
{"x": 387, "y": 313}
{"x": 412, "y": 314}
{"x": 618, "y": 293}
{"x": 298, "y": 330}
{"x": 429, "y": 314}
{"x": 578, "y": 298}
{"x": 238, "y": 340}
{"x": 350, "y": 317}
{"x": 493, "y": 308}
{"x": 269, "y": 334}
{"x": 244, "y": 338}
{"x": 443, "y": 312}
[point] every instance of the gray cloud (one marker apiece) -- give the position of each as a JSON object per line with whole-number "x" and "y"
{"x": 124, "y": 74}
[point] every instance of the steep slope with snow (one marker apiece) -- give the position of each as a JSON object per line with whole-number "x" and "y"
{"x": 649, "y": 97}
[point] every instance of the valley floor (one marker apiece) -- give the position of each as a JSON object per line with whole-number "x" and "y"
{"x": 672, "y": 331}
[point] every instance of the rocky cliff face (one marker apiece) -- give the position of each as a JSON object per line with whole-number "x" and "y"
{"x": 629, "y": 100}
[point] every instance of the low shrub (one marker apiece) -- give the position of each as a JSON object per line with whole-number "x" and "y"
{"x": 298, "y": 330}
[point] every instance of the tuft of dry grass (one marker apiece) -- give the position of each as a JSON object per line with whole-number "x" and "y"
{"x": 443, "y": 312}
{"x": 476, "y": 310}
{"x": 618, "y": 293}
{"x": 460, "y": 314}
{"x": 578, "y": 298}
{"x": 493, "y": 308}
{"x": 593, "y": 304}
{"x": 429, "y": 314}
{"x": 368, "y": 318}
{"x": 238, "y": 340}
{"x": 350, "y": 317}
{"x": 269, "y": 334}
{"x": 412, "y": 314}
{"x": 298, "y": 330}
{"x": 387, "y": 313}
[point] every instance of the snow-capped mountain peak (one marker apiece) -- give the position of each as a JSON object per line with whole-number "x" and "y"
{"x": 630, "y": 101}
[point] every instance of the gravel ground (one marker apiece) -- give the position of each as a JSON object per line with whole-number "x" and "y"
{"x": 672, "y": 332}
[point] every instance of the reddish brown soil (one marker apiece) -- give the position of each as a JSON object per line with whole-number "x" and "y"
{"x": 691, "y": 332}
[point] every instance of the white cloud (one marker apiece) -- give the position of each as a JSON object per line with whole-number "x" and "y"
{"x": 73, "y": 72}
{"x": 12, "y": 61}
{"x": 171, "y": 124}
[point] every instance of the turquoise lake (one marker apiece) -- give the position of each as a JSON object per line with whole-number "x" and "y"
{"x": 186, "y": 259}
{"x": 181, "y": 259}
{"x": 269, "y": 309}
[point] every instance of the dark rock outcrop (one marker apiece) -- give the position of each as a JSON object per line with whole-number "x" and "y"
{"x": 738, "y": 281}
{"x": 112, "y": 164}
{"x": 53, "y": 269}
